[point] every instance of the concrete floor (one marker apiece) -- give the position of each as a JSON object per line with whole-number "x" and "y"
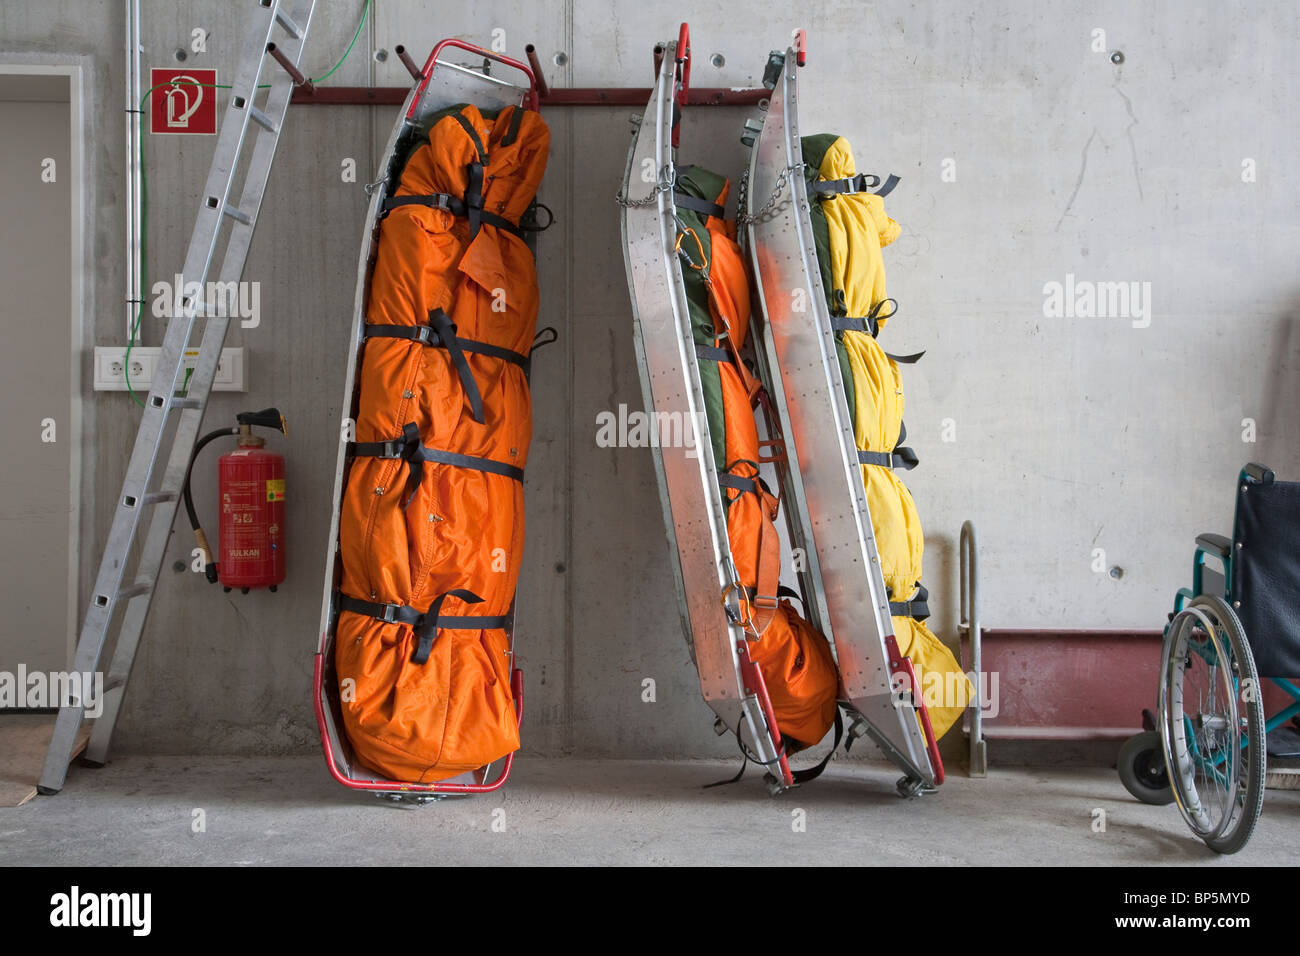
{"x": 139, "y": 810}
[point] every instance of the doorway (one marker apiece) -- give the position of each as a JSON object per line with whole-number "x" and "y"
{"x": 41, "y": 223}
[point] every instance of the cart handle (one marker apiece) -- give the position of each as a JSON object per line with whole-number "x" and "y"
{"x": 898, "y": 664}
{"x": 753, "y": 676}
{"x": 531, "y": 101}
{"x": 682, "y": 86}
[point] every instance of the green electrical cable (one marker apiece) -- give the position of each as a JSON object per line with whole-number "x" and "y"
{"x": 144, "y": 192}
{"x": 362, "y": 22}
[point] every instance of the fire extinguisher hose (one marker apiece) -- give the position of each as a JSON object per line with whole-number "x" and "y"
{"x": 201, "y": 539}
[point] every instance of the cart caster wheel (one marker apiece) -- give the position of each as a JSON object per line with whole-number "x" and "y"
{"x": 273, "y": 587}
{"x": 227, "y": 590}
{"x": 1142, "y": 769}
{"x": 909, "y": 787}
{"x": 243, "y": 590}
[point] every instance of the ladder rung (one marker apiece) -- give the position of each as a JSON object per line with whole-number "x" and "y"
{"x": 140, "y": 587}
{"x": 186, "y": 403}
{"x": 149, "y": 498}
{"x": 262, "y": 120}
{"x": 290, "y": 25}
{"x": 235, "y": 214}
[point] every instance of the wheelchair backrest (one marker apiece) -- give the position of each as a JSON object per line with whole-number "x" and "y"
{"x": 1265, "y": 575}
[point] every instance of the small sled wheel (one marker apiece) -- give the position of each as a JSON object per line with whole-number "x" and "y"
{"x": 908, "y": 787}
{"x": 1212, "y": 723}
{"x": 1142, "y": 769}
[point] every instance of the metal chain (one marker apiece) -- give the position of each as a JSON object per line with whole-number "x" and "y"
{"x": 664, "y": 185}
{"x": 742, "y": 195}
{"x": 743, "y": 218}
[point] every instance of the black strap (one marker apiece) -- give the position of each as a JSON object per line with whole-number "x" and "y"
{"x": 711, "y": 354}
{"x": 797, "y": 776}
{"x": 409, "y": 449}
{"x": 428, "y": 335}
{"x": 455, "y": 206}
{"x": 812, "y": 773}
{"x": 870, "y": 323}
{"x": 903, "y": 458}
{"x": 911, "y": 359}
{"x": 695, "y": 204}
{"x": 861, "y": 183}
{"x": 470, "y": 461}
{"x": 727, "y": 480}
{"x": 900, "y": 457}
{"x": 735, "y": 481}
{"x": 446, "y": 329}
{"x": 426, "y": 624}
{"x": 512, "y": 131}
{"x": 918, "y": 608}
{"x": 890, "y": 182}
{"x": 468, "y": 127}
{"x": 474, "y": 198}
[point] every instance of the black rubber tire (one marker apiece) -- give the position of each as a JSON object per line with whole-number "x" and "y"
{"x": 1142, "y": 769}
{"x": 1253, "y": 773}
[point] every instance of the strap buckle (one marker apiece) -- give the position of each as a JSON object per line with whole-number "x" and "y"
{"x": 389, "y": 615}
{"x": 862, "y": 183}
{"x": 393, "y": 448}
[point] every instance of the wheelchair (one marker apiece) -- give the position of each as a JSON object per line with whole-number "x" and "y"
{"x": 1205, "y": 747}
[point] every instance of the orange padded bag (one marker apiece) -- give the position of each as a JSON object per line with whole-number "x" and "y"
{"x": 438, "y": 533}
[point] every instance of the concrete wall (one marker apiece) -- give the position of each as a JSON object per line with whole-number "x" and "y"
{"x": 1071, "y": 434}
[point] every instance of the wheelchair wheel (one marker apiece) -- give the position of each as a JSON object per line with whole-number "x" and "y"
{"x": 1142, "y": 769}
{"x": 1212, "y": 723}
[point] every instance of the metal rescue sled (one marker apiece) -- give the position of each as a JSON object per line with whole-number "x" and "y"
{"x": 843, "y": 592}
{"x": 440, "y": 86}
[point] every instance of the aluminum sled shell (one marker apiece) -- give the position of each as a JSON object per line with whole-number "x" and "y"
{"x": 823, "y": 483}
{"x": 694, "y": 516}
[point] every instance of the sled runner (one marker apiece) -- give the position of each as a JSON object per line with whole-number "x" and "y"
{"x": 417, "y": 693}
{"x": 826, "y": 477}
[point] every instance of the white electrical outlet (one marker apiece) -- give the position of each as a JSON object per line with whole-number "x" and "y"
{"x": 111, "y": 365}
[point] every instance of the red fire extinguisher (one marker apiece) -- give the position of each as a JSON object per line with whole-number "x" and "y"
{"x": 250, "y": 491}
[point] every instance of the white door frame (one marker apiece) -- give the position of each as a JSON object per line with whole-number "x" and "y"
{"x": 72, "y": 429}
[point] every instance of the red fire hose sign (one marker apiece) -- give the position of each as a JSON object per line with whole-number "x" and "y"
{"x": 183, "y": 101}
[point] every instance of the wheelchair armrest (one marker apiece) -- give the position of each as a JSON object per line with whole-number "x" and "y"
{"x": 1260, "y": 473}
{"x": 1214, "y": 544}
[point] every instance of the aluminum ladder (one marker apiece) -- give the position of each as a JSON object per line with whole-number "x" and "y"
{"x": 170, "y": 422}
